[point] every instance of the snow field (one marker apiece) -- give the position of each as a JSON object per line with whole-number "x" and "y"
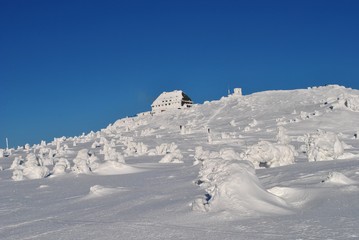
{"x": 248, "y": 167}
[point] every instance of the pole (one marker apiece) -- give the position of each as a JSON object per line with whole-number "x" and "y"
{"x": 7, "y": 144}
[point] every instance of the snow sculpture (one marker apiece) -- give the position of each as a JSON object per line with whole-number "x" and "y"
{"x": 266, "y": 154}
{"x": 322, "y": 146}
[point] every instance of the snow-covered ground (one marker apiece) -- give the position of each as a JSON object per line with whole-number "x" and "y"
{"x": 271, "y": 165}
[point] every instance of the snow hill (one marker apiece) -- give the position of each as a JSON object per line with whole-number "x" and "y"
{"x": 270, "y": 165}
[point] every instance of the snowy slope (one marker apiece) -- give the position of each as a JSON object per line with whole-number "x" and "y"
{"x": 271, "y": 165}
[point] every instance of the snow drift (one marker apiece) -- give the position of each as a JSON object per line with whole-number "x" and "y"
{"x": 233, "y": 186}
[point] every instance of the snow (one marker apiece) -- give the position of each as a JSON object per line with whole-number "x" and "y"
{"x": 270, "y": 165}
{"x": 232, "y": 186}
{"x": 268, "y": 154}
{"x": 323, "y": 146}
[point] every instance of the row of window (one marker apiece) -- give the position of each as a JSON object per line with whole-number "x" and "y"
{"x": 161, "y": 105}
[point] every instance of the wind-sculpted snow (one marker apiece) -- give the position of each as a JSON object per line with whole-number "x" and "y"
{"x": 233, "y": 187}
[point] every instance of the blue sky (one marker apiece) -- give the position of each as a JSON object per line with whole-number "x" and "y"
{"x": 68, "y": 67}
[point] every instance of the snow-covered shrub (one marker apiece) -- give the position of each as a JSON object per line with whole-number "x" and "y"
{"x": 135, "y": 149}
{"x": 229, "y": 154}
{"x": 31, "y": 160}
{"x": 172, "y": 157}
{"x": 322, "y": 145}
{"x": 233, "y": 185}
{"x": 61, "y": 166}
{"x": 147, "y": 132}
{"x": 46, "y": 157}
{"x": 268, "y": 154}
{"x": 31, "y": 169}
{"x": 35, "y": 172}
{"x": 225, "y": 153}
{"x": 282, "y": 136}
{"x": 163, "y": 149}
{"x": 200, "y": 155}
{"x": 347, "y": 101}
{"x": 17, "y": 163}
{"x": 27, "y": 147}
{"x": 17, "y": 175}
{"x": 95, "y": 144}
{"x": 253, "y": 123}
{"x": 111, "y": 154}
{"x": 85, "y": 162}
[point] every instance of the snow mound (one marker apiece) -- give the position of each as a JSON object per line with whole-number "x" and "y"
{"x": 339, "y": 179}
{"x": 97, "y": 191}
{"x": 295, "y": 197}
{"x": 114, "y": 168}
{"x": 322, "y": 146}
{"x": 268, "y": 154}
{"x": 233, "y": 186}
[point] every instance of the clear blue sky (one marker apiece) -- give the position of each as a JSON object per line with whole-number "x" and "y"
{"x": 68, "y": 67}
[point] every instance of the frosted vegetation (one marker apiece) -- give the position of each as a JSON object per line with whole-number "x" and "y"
{"x": 271, "y": 165}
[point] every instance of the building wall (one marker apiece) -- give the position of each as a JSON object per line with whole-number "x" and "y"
{"x": 168, "y": 100}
